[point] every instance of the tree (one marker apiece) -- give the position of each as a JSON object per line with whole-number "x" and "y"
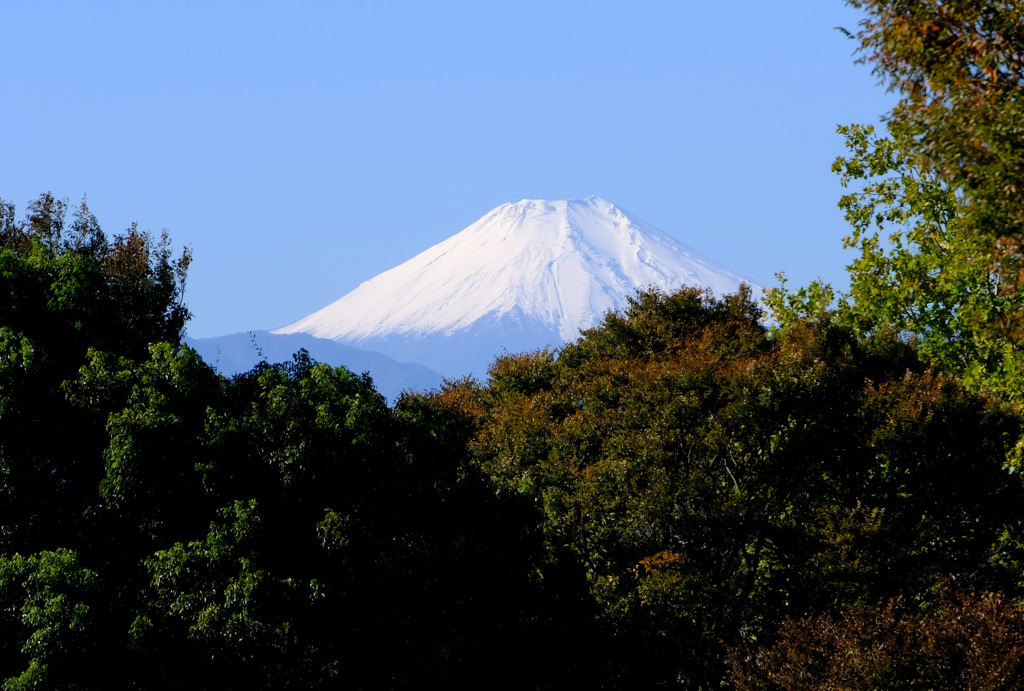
{"x": 47, "y": 605}
{"x": 959, "y": 69}
{"x": 967, "y": 642}
{"x": 119, "y": 296}
{"x": 63, "y": 291}
{"x": 712, "y": 479}
{"x": 90, "y": 362}
{"x": 352, "y": 544}
{"x": 921, "y": 271}
{"x": 162, "y": 526}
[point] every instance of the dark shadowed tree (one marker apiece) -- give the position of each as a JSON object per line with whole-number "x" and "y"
{"x": 712, "y": 480}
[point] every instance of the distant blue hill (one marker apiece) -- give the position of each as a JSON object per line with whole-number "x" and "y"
{"x": 241, "y": 352}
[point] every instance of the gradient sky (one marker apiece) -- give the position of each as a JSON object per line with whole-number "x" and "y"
{"x": 301, "y": 149}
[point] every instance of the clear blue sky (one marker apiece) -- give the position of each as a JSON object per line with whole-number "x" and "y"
{"x": 302, "y": 148}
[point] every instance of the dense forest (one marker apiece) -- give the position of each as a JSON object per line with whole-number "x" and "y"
{"x": 694, "y": 494}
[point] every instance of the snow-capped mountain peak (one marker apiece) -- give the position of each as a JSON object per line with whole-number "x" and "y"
{"x": 527, "y": 274}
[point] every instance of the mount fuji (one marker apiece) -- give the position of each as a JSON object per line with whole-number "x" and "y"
{"x": 525, "y": 276}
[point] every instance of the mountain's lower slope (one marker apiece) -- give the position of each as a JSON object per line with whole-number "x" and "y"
{"x": 468, "y": 351}
{"x": 241, "y": 352}
{"x": 524, "y": 276}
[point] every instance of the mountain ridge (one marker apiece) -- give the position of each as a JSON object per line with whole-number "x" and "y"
{"x": 239, "y": 352}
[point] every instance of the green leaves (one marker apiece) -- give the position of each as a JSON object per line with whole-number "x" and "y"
{"x": 959, "y": 69}
{"x": 46, "y": 603}
{"x": 920, "y": 271}
{"x": 710, "y": 478}
{"x": 213, "y": 585}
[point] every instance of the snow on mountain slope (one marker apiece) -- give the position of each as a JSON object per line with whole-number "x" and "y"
{"x": 525, "y": 275}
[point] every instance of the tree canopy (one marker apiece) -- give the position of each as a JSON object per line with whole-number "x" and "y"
{"x": 660, "y": 502}
{"x": 937, "y": 224}
{"x": 920, "y": 270}
{"x": 162, "y": 526}
{"x": 713, "y": 480}
{"x": 958, "y": 67}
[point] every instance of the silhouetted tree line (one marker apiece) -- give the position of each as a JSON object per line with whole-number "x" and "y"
{"x": 682, "y": 497}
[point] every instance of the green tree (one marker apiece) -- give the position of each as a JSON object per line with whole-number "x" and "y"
{"x": 90, "y": 360}
{"x": 959, "y": 69}
{"x": 63, "y": 290}
{"x": 921, "y": 270}
{"x": 164, "y": 527}
{"x": 47, "y": 606}
{"x": 353, "y": 544}
{"x": 712, "y": 479}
